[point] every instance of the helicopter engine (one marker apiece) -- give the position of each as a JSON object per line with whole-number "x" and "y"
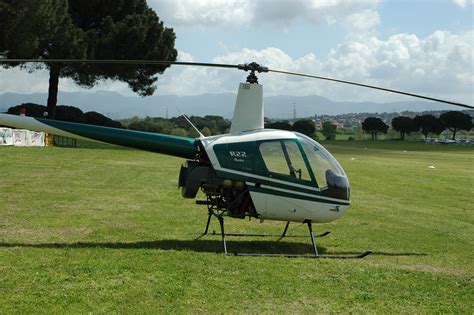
{"x": 222, "y": 194}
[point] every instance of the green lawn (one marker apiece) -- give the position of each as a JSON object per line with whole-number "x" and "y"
{"x": 106, "y": 230}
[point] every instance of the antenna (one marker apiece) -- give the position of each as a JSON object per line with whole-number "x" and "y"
{"x": 294, "y": 110}
{"x": 189, "y": 121}
{"x": 166, "y": 113}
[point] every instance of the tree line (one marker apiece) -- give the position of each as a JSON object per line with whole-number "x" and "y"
{"x": 178, "y": 126}
{"x": 66, "y": 113}
{"x": 306, "y": 127}
{"x": 213, "y": 125}
{"x": 453, "y": 121}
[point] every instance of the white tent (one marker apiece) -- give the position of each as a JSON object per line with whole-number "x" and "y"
{"x": 21, "y": 138}
{"x": 6, "y": 136}
{"x": 35, "y": 139}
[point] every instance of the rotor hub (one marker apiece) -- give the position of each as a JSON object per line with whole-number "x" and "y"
{"x": 252, "y": 67}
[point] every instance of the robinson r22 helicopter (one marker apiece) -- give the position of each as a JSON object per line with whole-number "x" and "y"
{"x": 250, "y": 172}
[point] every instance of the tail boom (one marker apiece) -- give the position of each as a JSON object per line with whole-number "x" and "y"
{"x": 155, "y": 142}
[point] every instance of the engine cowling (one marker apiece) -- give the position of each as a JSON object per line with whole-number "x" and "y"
{"x": 222, "y": 194}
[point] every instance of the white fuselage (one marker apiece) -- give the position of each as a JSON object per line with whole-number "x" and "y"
{"x": 274, "y": 199}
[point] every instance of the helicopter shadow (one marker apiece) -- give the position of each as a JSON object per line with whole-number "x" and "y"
{"x": 201, "y": 245}
{"x": 101, "y": 147}
{"x": 204, "y": 246}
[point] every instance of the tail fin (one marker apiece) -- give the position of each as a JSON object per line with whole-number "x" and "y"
{"x": 248, "y": 112}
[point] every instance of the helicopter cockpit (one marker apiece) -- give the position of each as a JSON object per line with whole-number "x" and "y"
{"x": 276, "y": 157}
{"x": 306, "y": 162}
{"x": 329, "y": 175}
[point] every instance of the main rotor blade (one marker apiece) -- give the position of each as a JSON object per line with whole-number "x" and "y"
{"x": 131, "y": 62}
{"x": 371, "y": 87}
{"x": 245, "y": 67}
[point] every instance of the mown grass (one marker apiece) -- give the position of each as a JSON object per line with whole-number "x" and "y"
{"x": 105, "y": 230}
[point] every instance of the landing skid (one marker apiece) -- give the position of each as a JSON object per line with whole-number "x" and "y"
{"x": 356, "y": 256}
{"x": 220, "y": 218}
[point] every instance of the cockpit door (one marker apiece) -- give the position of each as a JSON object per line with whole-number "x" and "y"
{"x": 289, "y": 179}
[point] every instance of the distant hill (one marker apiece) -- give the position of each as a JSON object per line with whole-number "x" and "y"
{"x": 3, "y": 109}
{"x": 117, "y": 106}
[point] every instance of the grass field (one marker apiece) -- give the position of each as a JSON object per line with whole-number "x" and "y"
{"x": 105, "y": 230}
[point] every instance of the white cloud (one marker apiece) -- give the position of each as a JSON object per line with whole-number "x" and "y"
{"x": 462, "y": 3}
{"x": 185, "y": 57}
{"x": 202, "y": 12}
{"x": 439, "y": 65}
{"x": 232, "y": 13}
{"x": 16, "y": 80}
{"x": 362, "y": 23}
{"x": 20, "y": 81}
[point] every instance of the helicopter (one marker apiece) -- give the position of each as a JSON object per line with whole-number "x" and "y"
{"x": 251, "y": 172}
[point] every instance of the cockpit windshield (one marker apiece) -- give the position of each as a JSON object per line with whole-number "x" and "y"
{"x": 329, "y": 175}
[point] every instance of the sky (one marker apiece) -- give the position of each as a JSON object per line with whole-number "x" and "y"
{"x": 419, "y": 46}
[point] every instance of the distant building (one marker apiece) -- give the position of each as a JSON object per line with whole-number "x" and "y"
{"x": 318, "y": 123}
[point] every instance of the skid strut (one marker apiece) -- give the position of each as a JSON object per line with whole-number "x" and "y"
{"x": 280, "y": 236}
{"x": 311, "y": 233}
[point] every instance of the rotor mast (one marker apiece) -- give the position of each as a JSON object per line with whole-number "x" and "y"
{"x": 248, "y": 111}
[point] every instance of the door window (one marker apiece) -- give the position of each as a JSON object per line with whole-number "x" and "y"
{"x": 284, "y": 158}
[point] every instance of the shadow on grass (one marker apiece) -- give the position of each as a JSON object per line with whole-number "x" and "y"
{"x": 397, "y": 254}
{"x": 208, "y": 246}
{"x": 100, "y": 146}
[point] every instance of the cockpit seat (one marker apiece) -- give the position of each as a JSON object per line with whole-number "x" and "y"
{"x": 338, "y": 186}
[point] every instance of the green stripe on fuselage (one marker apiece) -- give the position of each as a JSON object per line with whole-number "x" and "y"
{"x": 155, "y": 142}
{"x": 295, "y": 196}
{"x": 249, "y": 178}
{"x": 271, "y": 183}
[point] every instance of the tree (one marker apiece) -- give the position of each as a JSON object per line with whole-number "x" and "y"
{"x": 455, "y": 121}
{"x": 304, "y": 126}
{"x": 95, "y": 29}
{"x": 66, "y": 113}
{"x": 220, "y": 124}
{"x": 438, "y": 127}
{"x": 329, "y": 130}
{"x": 95, "y": 118}
{"x": 206, "y": 132}
{"x": 70, "y": 113}
{"x": 373, "y": 126}
{"x": 145, "y": 125}
{"x": 32, "y": 110}
{"x": 282, "y": 125}
{"x": 40, "y": 29}
{"x": 429, "y": 124}
{"x": 403, "y": 125}
{"x": 31, "y": 28}
{"x": 181, "y": 132}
